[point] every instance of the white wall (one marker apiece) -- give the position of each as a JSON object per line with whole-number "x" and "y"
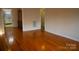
{"x": 29, "y": 15}
{"x": 64, "y": 22}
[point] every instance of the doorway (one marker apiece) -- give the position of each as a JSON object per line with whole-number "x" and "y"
{"x": 7, "y": 13}
{"x": 12, "y": 22}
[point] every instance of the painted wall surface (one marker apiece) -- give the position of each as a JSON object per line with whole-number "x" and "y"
{"x": 64, "y": 22}
{"x": 31, "y": 19}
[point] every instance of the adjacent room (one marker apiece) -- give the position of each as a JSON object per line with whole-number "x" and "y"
{"x": 39, "y": 29}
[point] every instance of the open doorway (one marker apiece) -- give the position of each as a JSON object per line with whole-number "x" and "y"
{"x": 12, "y": 21}
{"x": 12, "y": 17}
{"x": 7, "y": 13}
{"x": 8, "y": 25}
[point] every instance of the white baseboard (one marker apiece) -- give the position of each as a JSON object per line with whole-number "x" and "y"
{"x": 65, "y": 36}
{"x": 29, "y": 29}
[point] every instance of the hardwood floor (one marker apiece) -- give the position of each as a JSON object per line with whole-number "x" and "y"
{"x": 3, "y": 43}
{"x": 38, "y": 41}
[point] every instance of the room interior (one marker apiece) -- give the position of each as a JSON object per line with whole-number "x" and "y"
{"x": 39, "y": 29}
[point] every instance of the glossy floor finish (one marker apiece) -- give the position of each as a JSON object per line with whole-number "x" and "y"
{"x": 3, "y": 43}
{"x": 38, "y": 41}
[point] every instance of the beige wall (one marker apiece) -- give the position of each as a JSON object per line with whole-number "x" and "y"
{"x": 64, "y": 22}
{"x": 29, "y": 15}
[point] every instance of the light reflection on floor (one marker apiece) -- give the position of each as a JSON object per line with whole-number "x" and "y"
{"x": 1, "y": 33}
{"x": 10, "y": 37}
{"x": 11, "y": 40}
{"x": 43, "y": 47}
